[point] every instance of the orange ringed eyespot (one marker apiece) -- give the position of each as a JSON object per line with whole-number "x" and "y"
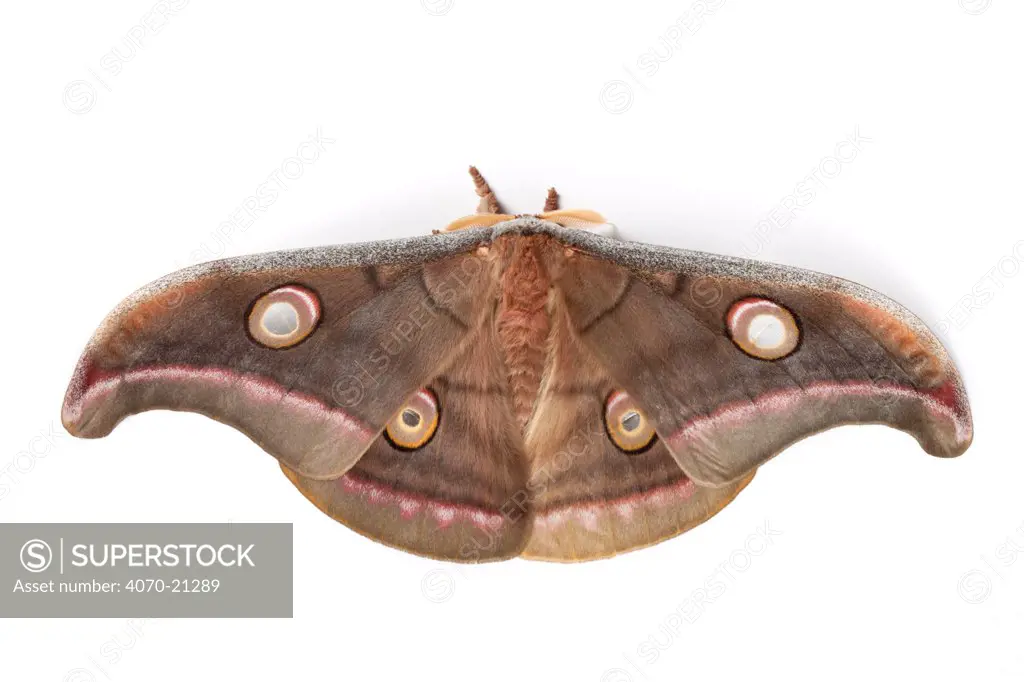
{"x": 627, "y": 425}
{"x": 415, "y": 423}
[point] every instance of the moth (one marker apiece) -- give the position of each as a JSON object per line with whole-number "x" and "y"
{"x": 518, "y": 385}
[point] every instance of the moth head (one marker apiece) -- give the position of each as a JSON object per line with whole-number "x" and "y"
{"x": 283, "y": 317}
{"x": 581, "y": 219}
{"x": 489, "y": 212}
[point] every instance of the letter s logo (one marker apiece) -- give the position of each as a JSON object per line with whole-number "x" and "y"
{"x": 36, "y": 556}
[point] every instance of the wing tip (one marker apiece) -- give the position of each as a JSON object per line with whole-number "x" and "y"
{"x": 716, "y": 450}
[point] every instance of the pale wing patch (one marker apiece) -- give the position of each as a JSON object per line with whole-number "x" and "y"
{"x": 478, "y": 220}
{"x": 582, "y": 219}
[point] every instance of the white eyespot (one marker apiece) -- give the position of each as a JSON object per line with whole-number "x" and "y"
{"x": 766, "y": 331}
{"x": 762, "y": 329}
{"x": 280, "y": 318}
{"x": 284, "y": 316}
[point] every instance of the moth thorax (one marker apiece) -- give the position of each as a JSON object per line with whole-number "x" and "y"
{"x": 523, "y": 322}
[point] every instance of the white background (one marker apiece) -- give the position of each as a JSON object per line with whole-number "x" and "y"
{"x": 888, "y": 564}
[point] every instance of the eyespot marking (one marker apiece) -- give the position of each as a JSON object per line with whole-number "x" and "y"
{"x": 284, "y": 317}
{"x": 627, "y": 425}
{"x": 762, "y": 329}
{"x": 415, "y": 423}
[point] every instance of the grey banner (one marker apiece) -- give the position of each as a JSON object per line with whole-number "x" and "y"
{"x": 156, "y": 570}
